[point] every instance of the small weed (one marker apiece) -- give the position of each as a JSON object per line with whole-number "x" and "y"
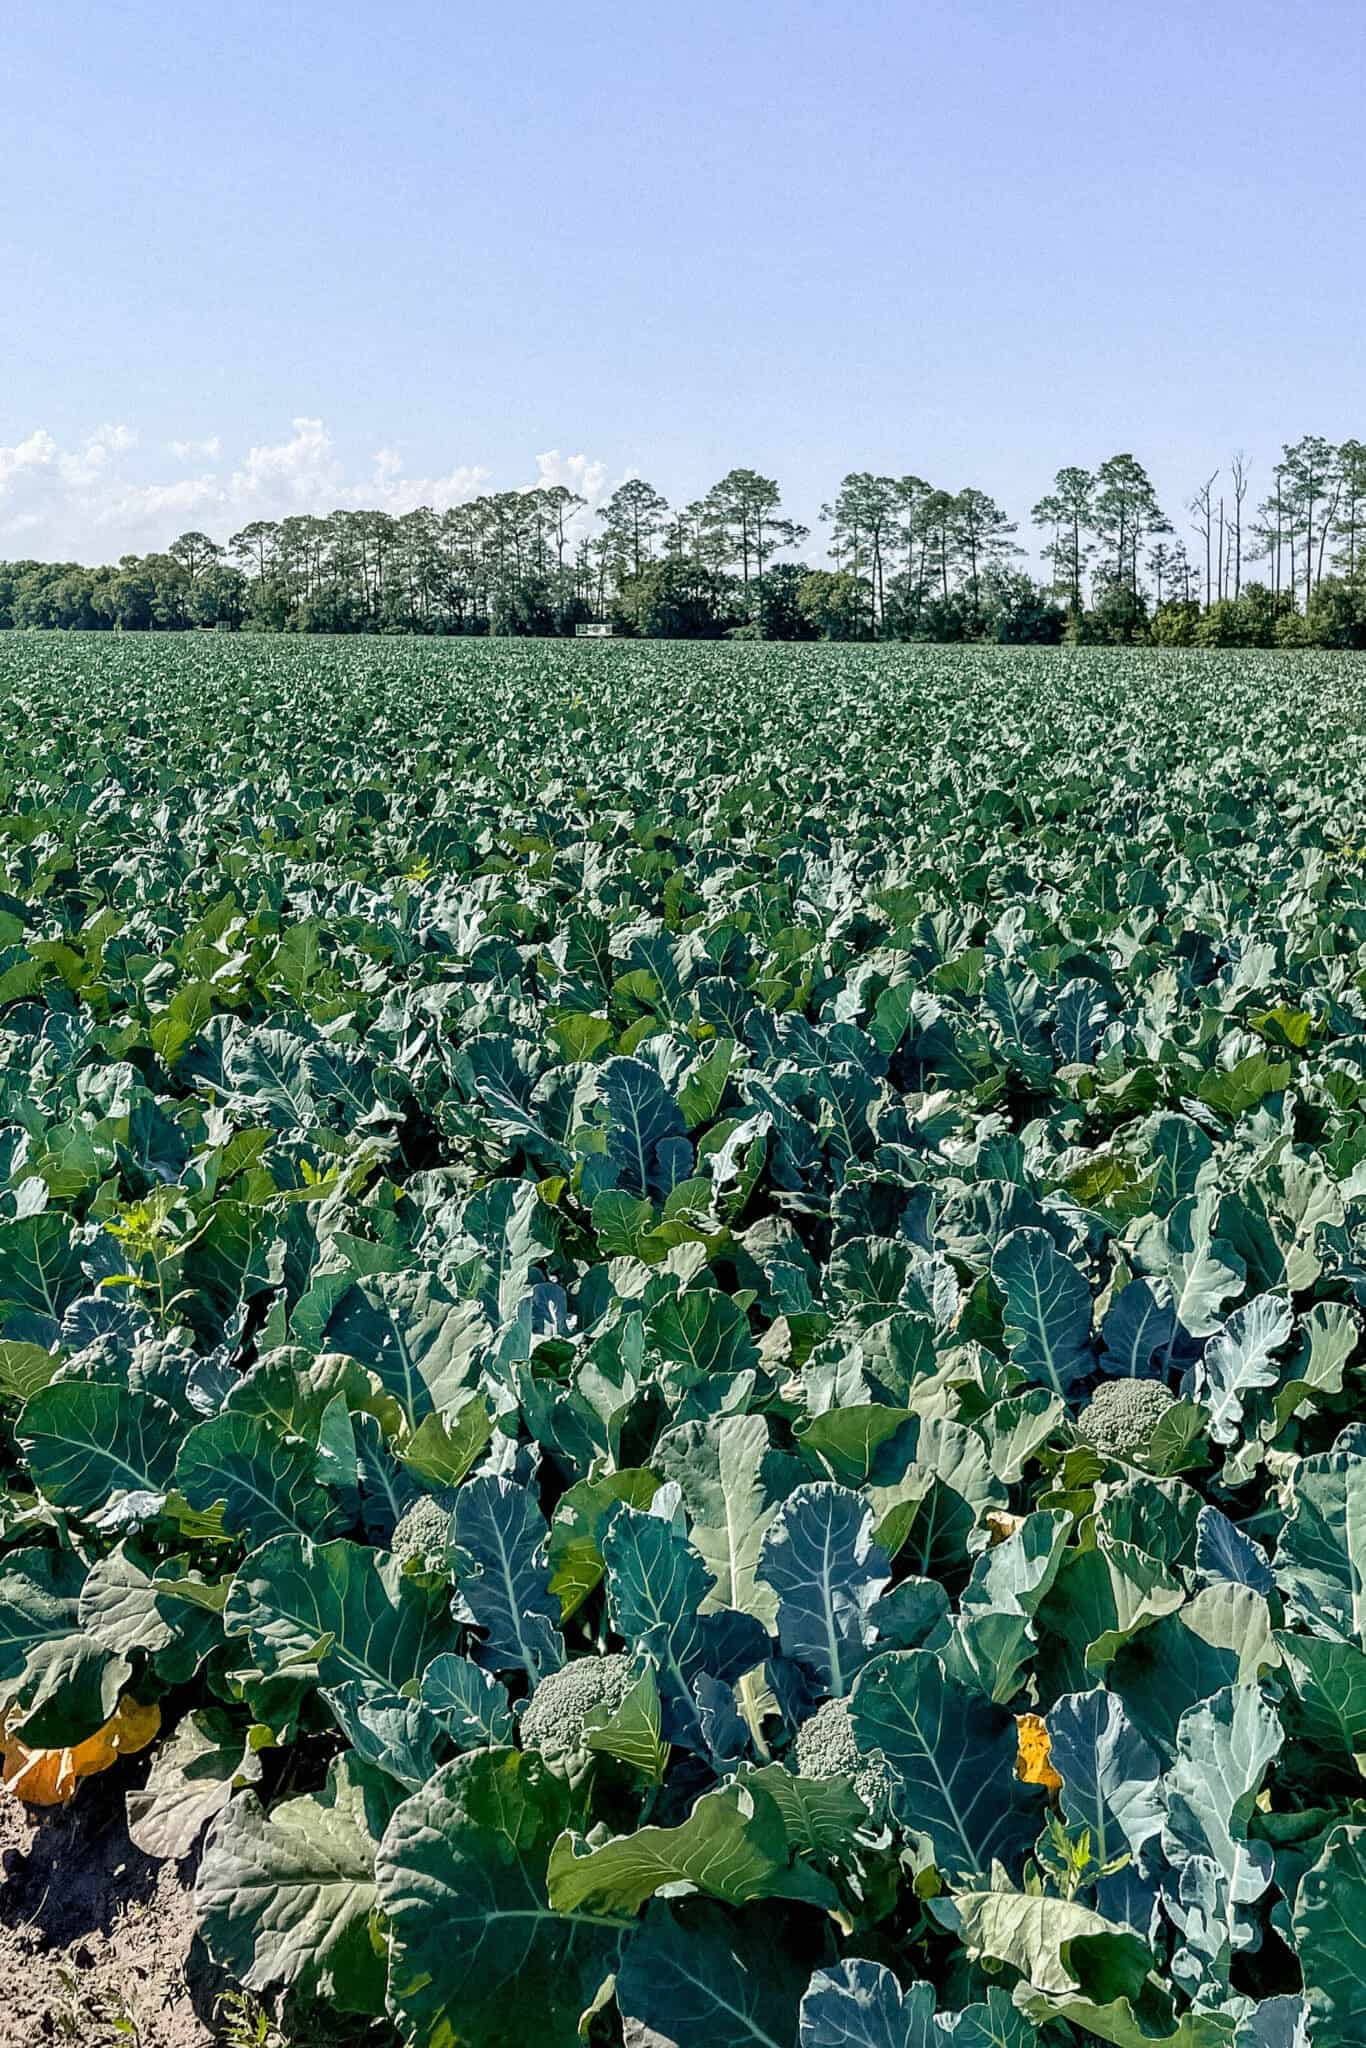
{"x": 95, "y": 2017}
{"x": 243, "y": 2022}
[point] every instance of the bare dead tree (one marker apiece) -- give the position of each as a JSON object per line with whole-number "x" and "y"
{"x": 1239, "y": 470}
{"x": 1202, "y": 505}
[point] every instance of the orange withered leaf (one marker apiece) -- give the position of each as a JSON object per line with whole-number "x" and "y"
{"x": 50, "y": 1777}
{"x": 1031, "y": 1762}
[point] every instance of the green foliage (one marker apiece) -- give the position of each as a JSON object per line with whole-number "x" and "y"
{"x": 912, "y": 561}
{"x": 560, "y": 1229}
{"x": 674, "y": 599}
{"x": 835, "y": 606}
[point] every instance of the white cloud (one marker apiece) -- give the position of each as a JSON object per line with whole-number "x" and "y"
{"x": 391, "y": 490}
{"x": 298, "y": 473}
{"x": 585, "y": 475}
{"x": 90, "y": 463}
{"x": 35, "y": 454}
{"x": 586, "y": 478}
{"x": 94, "y": 500}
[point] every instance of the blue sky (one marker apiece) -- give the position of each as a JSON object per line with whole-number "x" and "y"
{"x": 258, "y": 258}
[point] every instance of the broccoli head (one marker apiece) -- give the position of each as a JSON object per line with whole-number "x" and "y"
{"x": 553, "y": 1721}
{"x": 1121, "y": 1416}
{"x": 825, "y": 1748}
{"x": 422, "y": 1535}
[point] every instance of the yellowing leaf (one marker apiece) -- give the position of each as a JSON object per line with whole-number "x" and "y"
{"x": 1031, "y": 1763}
{"x": 49, "y": 1777}
{"x": 1002, "y": 1524}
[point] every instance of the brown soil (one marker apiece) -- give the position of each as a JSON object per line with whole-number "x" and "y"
{"x": 96, "y": 1941}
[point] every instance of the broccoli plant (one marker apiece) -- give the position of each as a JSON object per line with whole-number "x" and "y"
{"x": 1121, "y": 1416}
{"x": 555, "y": 1717}
{"x": 826, "y": 1748}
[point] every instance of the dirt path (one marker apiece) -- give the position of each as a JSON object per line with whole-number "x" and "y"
{"x": 96, "y": 1939}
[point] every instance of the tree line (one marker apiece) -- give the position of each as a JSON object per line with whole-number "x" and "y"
{"x": 909, "y": 561}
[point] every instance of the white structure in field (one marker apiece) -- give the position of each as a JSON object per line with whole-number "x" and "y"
{"x": 594, "y": 630}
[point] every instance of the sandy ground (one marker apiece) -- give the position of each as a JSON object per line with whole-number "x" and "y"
{"x": 96, "y": 1941}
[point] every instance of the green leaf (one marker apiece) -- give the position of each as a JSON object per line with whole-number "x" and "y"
{"x": 69, "y": 1688}
{"x": 478, "y": 1954}
{"x": 1329, "y": 1917}
{"x": 1243, "y": 1086}
{"x": 634, "y": 1734}
{"x": 581, "y": 1514}
{"x": 992, "y": 1638}
{"x": 1117, "y": 2022}
{"x": 515, "y": 1233}
{"x": 57, "y": 1683}
{"x": 1221, "y": 1637}
{"x": 1321, "y": 1556}
{"x": 733, "y": 1846}
{"x": 350, "y": 1610}
{"x": 1283, "y": 1026}
{"x": 286, "y": 1897}
{"x": 1017, "y": 1428}
{"x": 1037, "y": 1936}
{"x": 580, "y": 1035}
{"x": 930, "y": 1489}
{"x": 193, "y": 1776}
{"x": 1279, "y": 2022}
{"x": 859, "y": 2004}
{"x": 731, "y": 1482}
{"x": 622, "y": 1222}
{"x": 266, "y": 1484}
{"x": 1330, "y": 1693}
{"x": 656, "y": 1584}
{"x": 443, "y": 1448}
{"x": 294, "y": 1390}
{"x": 1238, "y": 1360}
{"x": 1048, "y": 1309}
{"x": 701, "y": 1094}
{"x": 391, "y": 1733}
{"x": 843, "y": 1443}
{"x": 85, "y": 1441}
{"x": 25, "y": 1369}
{"x": 1111, "y": 1786}
{"x": 40, "y": 1265}
{"x": 471, "y": 1705}
{"x": 39, "y": 1603}
{"x": 826, "y": 1574}
{"x": 1200, "y": 1269}
{"x": 645, "y": 1128}
{"x": 1224, "y": 1748}
{"x": 1102, "y": 1598}
{"x": 696, "y": 1977}
{"x": 499, "y": 1534}
{"x": 700, "y": 1334}
{"x": 1139, "y": 1328}
{"x": 1177, "y": 1442}
{"x": 422, "y": 1345}
{"x": 1015, "y": 1575}
{"x": 989, "y": 1653}
{"x": 1328, "y": 1338}
{"x": 133, "y": 1606}
{"x": 821, "y": 1815}
{"x": 954, "y": 1757}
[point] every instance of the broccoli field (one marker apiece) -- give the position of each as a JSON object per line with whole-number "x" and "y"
{"x": 681, "y": 1328}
